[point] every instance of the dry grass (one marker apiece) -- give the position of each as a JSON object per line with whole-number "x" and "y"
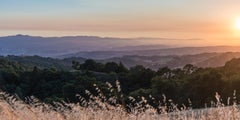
{"x": 21, "y": 111}
{"x": 102, "y": 108}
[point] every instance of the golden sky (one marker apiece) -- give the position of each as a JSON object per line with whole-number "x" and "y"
{"x": 211, "y": 21}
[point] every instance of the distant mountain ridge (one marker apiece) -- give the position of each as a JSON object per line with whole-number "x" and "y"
{"x": 98, "y": 47}
{"x": 56, "y": 46}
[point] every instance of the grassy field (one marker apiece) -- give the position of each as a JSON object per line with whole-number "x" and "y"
{"x": 13, "y": 109}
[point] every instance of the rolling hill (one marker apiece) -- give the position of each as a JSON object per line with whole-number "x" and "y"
{"x": 154, "y": 62}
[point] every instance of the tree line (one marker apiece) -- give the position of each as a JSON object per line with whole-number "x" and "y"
{"x": 180, "y": 85}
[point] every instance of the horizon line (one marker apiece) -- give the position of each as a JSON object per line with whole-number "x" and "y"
{"x": 153, "y": 38}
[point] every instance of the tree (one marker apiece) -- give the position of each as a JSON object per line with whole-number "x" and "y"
{"x": 89, "y": 65}
{"x": 202, "y": 86}
{"x": 164, "y": 72}
{"x": 168, "y": 87}
{"x": 122, "y": 68}
{"x": 111, "y": 67}
{"x": 140, "y": 76}
{"x": 189, "y": 68}
{"x": 76, "y": 65}
{"x": 68, "y": 91}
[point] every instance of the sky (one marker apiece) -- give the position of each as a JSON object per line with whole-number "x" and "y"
{"x": 210, "y": 22}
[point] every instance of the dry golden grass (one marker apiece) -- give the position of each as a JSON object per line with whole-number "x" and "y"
{"x": 12, "y": 109}
{"x": 102, "y": 108}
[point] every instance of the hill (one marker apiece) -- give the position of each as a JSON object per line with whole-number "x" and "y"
{"x": 99, "y": 47}
{"x": 173, "y": 61}
{"x": 57, "y": 46}
{"x": 154, "y": 62}
{"x": 156, "y": 52}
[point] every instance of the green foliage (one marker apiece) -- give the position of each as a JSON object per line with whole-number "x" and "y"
{"x": 91, "y": 65}
{"x": 180, "y": 84}
{"x": 141, "y": 76}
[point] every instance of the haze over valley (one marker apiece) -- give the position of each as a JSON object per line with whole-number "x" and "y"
{"x": 129, "y": 51}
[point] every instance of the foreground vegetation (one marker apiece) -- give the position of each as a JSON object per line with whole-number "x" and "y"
{"x": 97, "y": 109}
{"x": 90, "y": 91}
{"x": 180, "y": 85}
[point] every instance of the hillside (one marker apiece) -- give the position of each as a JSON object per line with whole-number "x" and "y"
{"x": 174, "y": 61}
{"x": 156, "y": 52}
{"x": 218, "y": 60}
{"x": 154, "y": 62}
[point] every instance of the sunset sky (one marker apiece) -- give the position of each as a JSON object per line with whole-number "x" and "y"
{"x": 211, "y": 21}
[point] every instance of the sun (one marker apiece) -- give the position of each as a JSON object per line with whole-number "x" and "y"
{"x": 237, "y": 24}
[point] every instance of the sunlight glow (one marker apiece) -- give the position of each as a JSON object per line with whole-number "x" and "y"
{"x": 238, "y": 23}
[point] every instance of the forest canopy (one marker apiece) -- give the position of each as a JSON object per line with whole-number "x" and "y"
{"x": 179, "y": 84}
